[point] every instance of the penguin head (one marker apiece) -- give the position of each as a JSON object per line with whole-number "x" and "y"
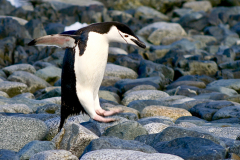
{"x": 119, "y": 32}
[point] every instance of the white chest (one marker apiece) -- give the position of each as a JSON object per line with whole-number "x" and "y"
{"x": 89, "y": 67}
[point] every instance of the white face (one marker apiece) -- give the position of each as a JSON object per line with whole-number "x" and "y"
{"x": 114, "y": 35}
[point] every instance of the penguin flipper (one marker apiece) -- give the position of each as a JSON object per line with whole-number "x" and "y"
{"x": 59, "y": 40}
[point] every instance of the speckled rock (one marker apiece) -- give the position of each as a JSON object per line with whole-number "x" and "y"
{"x": 19, "y": 67}
{"x": 18, "y": 131}
{"x": 113, "y": 154}
{"x": 4, "y": 94}
{"x": 8, "y": 155}
{"x": 155, "y": 127}
{"x": 35, "y": 147}
{"x": 171, "y": 112}
{"x": 156, "y": 119}
{"x": 126, "y": 130}
{"x": 143, "y": 95}
{"x": 110, "y": 96}
{"x": 13, "y": 88}
{"x": 54, "y": 155}
{"x": 54, "y": 123}
{"x": 141, "y": 87}
{"x": 116, "y": 143}
{"x": 33, "y": 82}
{"x": 120, "y": 71}
{"x": 82, "y": 137}
{"x": 15, "y": 108}
{"x": 203, "y": 68}
{"x": 227, "y": 112}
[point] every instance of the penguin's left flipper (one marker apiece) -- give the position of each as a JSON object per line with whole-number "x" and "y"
{"x": 59, "y": 40}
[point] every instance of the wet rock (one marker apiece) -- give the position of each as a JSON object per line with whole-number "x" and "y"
{"x": 82, "y": 138}
{"x": 143, "y": 95}
{"x": 35, "y": 147}
{"x": 18, "y": 131}
{"x": 54, "y": 154}
{"x": 171, "y": 112}
{"x": 126, "y": 130}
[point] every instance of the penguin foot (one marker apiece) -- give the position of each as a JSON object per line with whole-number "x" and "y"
{"x": 104, "y": 113}
{"x": 102, "y": 119}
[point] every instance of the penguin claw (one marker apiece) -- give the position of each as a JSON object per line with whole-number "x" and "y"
{"x": 102, "y": 119}
{"x": 104, "y": 113}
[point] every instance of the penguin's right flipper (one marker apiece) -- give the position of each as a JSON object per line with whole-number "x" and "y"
{"x": 59, "y": 40}
{"x": 69, "y": 32}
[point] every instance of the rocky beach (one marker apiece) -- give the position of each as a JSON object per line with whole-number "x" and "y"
{"x": 179, "y": 96}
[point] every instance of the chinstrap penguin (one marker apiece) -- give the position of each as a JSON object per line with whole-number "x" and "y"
{"x": 84, "y": 64}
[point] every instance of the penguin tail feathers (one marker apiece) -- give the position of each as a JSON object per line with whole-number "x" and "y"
{"x": 59, "y": 40}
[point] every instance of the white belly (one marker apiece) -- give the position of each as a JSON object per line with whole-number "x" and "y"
{"x": 90, "y": 67}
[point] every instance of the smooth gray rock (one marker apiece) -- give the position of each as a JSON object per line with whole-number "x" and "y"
{"x": 56, "y": 92}
{"x": 113, "y": 154}
{"x": 8, "y": 155}
{"x": 116, "y": 143}
{"x": 35, "y": 28}
{"x": 41, "y": 116}
{"x": 92, "y": 127}
{"x": 227, "y": 112}
{"x": 35, "y": 147}
{"x": 19, "y": 67}
{"x": 18, "y": 131}
{"x": 50, "y": 74}
{"x": 13, "y": 88}
{"x": 157, "y": 119}
{"x": 54, "y": 155}
{"x": 33, "y": 82}
{"x": 192, "y": 148}
{"x": 143, "y": 95}
{"x": 228, "y": 83}
{"x": 15, "y": 108}
{"x": 126, "y": 130}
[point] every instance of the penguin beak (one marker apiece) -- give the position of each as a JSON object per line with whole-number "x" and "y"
{"x": 139, "y": 43}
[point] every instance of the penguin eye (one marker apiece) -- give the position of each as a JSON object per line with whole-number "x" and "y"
{"x": 126, "y": 36}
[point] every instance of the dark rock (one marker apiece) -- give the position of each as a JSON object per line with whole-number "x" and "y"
{"x": 7, "y": 46}
{"x": 202, "y": 78}
{"x": 127, "y": 84}
{"x": 92, "y": 127}
{"x": 227, "y": 112}
{"x": 35, "y": 28}
{"x": 192, "y": 148}
{"x": 236, "y": 28}
{"x": 191, "y": 119}
{"x": 5, "y": 7}
{"x": 184, "y": 83}
{"x": 11, "y": 27}
{"x": 207, "y": 110}
{"x": 189, "y": 103}
{"x": 40, "y": 65}
{"x": 148, "y": 120}
{"x": 120, "y": 16}
{"x": 111, "y": 89}
{"x": 49, "y": 108}
{"x": 227, "y": 120}
{"x": 151, "y": 69}
{"x": 195, "y": 20}
{"x": 128, "y": 62}
{"x": 54, "y": 28}
{"x": 35, "y": 147}
{"x": 8, "y": 155}
{"x": 180, "y": 12}
{"x": 52, "y": 93}
{"x": 126, "y": 130}
{"x": 228, "y": 83}
{"x": 141, "y": 104}
{"x": 130, "y": 116}
{"x": 116, "y": 143}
